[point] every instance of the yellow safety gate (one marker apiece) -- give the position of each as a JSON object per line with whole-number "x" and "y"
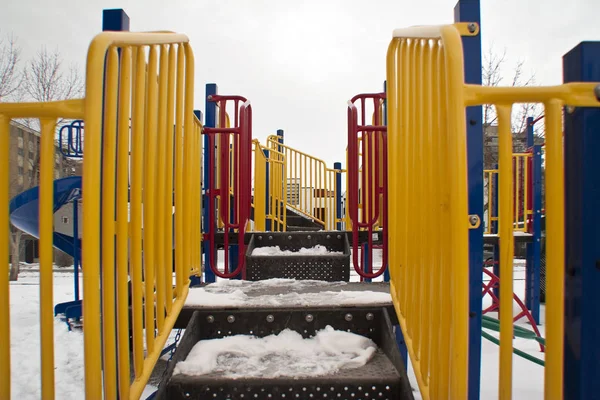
{"x": 310, "y": 185}
{"x": 521, "y": 191}
{"x": 429, "y": 224}
{"x": 273, "y": 206}
{"x": 148, "y": 82}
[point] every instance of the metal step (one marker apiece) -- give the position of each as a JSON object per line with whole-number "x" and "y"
{"x": 383, "y": 377}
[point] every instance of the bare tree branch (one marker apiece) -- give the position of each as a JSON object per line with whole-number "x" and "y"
{"x": 10, "y": 54}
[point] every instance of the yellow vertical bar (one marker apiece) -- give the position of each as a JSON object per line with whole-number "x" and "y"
{"x": 123, "y": 223}
{"x": 417, "y": 195}
{"x": 46, "y": 213}
{"x": 149, "y": 209}
{"x": 404, "y": 127}
{"x": 179, "y": 188}
{"x": 411, "y": 139}
{"x": 4, "y": 253}
{"x": 526, "y": 193}
{"x": 91, "y": 223}
{"x": 445, "y": 312}
{"x": 259, "y": 188}
{"x": 555, "y": 228}
{"x": 428, "y": 205}
{"x": 169, "y": 185}
{"x": 437, "y": 175}
{"x": 161, "y": 195}
{"x": 137, "y": 171}
{"x": 506, "y": 249}
{"x": 188, "y": 132}
{"x": 108, "y": 225}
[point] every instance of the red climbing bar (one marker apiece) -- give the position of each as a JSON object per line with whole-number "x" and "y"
{"x": 234, "y": 178}
{"x": 371, "y": 189}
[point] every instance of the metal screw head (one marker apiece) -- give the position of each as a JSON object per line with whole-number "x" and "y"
{"x": 309, "y": 318}
{"x": 328, "y": 236}
{"x": 570, "y": 109}
{"x": 348, "y": 317}
{"x": 308, "y": 237}
{"x": 370, "y": 317}
{"x": 472, "y": 27}
{"x": 339, "y": 236}
{"x": 231, "y": 319}
{"x": 260, "y": 238}
{"x": 210, "y": 319}
{"x": 290, "y": 237}
{"x": 270, "y": 237}
{"x": 270, "y": 318}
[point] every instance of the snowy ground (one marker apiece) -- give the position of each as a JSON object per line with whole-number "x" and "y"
{"x": 527, "y": 376}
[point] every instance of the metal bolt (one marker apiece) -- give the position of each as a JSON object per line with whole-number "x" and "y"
{"x": 309, "y": 318}
{"x": 328, "y": 236}
{"x": 348, "y": 317}
{"x": 270, "y": 318}
{"x": 260, "y": 238}
{"x": 597, "y": 92}
{"x": 231, "y": 319}
{"x": 210, "y": 319}
{"x": 290, "y": 237}
{"x": 339, "y": 236}
{"x": 472, "y": 27}
{"x": 270, "y": 237}
{"x": 308, "y": 237}
{"x": 370, "y": 317}
{"x": 570, "y": 109}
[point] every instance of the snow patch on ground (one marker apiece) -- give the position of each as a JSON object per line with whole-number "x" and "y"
{"x": 317, "y": 250}
{"x": 285, "y": 354}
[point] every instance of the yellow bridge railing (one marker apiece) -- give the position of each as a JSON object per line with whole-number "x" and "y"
{"x": 273, "y": 206}
{"x": 427, "y": 97}
{"x": 128, "y": 182}
{"x": 310, "y": 185}
{"x": 521, "y": 190}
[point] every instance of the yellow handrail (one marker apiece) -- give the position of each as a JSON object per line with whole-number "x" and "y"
{"x": 147, "y": 80}
{"x": 427, "y": 97}
{"x": 273, "y": 207}
{"x": 311, "y": 184}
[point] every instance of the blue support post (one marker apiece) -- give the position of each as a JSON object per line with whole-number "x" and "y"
{"x": 534, "y": 248}
{"x": 529, "y": 246}
{"x": 582, "y": 221}
{"x": 338, "y": 194}
{"x": 115, "y": 20}
{"x": 401, "y": 345}
{"x": 367, "y": 266}
{"x": 268, "y": 201}
{"x": 76, "y": 248}
{"x": 386, "y": 273}
{"x": 280, "y": 138}
{"x": 211, "y": 120}
{"x": 469, "y": 11}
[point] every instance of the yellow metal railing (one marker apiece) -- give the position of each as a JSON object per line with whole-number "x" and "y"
{"x": 427, "y": 97}
{"x": 521, "y": 190}
{"x": 273, "y": 206}
{"x": 129, "y": 177}
{"x": 310, "y": 185}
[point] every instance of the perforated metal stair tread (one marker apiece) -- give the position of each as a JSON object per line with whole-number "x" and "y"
{"x": 378, "y": 379}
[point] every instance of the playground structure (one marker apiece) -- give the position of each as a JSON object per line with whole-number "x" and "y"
{"x": 435, "y": 269}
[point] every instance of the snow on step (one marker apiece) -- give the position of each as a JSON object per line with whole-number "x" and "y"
{"x": 317, "y": 250}
{"x": 282, "y": 293}
{"x": 285, "y": 354}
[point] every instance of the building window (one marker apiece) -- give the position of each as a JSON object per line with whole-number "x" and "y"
{"x": 31, "y": 155}
{"x": 21, "y": 133}
{"x": 65, "y": 220}
{"x": 21, "y": 171}
{"x": 21, "y": 151}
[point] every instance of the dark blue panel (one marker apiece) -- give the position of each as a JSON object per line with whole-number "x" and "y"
{"x": 338, "y": 196}
{"x": 469, "y": 11}
{"x": 582, "y": 191}
{"x": 115, "y": 20}
{"x": 211, "y": 120}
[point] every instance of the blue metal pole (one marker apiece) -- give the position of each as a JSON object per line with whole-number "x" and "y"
{"x": 280, "y": 138}
{"x": 268, "y": 201}
{"x": 76, "y": 248}
{"x": 535, "y": 245}
{"x": 469, "y": 11}
{"x": 367, "y": 267}
{"x": 115, "y": 20}
{"x": 211, "y": 121}
{"x": 582, "y": 221}
{"x": 338, "y": 194}
{"x": 386, "y": 273}
{"x": 529, "y": 246}
{"x": 401, "y": 345}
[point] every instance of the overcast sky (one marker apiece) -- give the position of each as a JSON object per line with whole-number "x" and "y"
{"x": 300, "y": 61}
